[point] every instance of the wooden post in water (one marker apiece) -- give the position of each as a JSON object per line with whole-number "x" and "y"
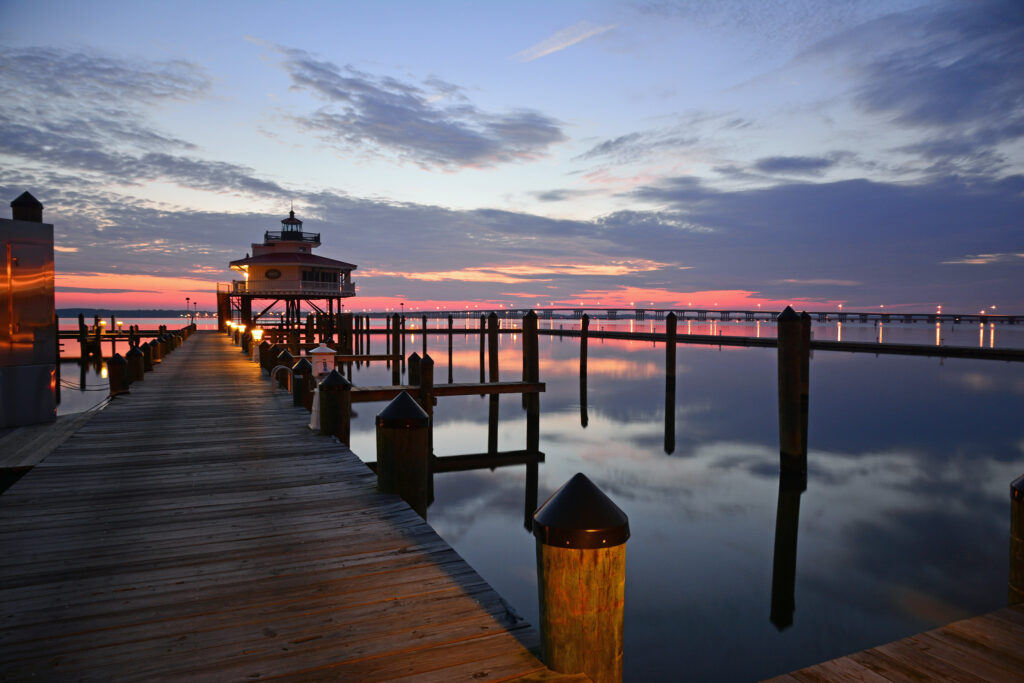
{"x": 117, "y": 374}
{"x": 346, "y": 333}
{"x": 396, "y": 371}
{"x": 581, "y": 580}
{"x": 403, "y": 336}
{"x": 483, "y": 329}
{"x": 451, "y": 322}
{"x": 791, "y": 350}
{"x": 670, "y": 351}
{"x": 369, "y": 336}
{"x": 1016, "y": 583}
{"x": 424, "y": 335}
{"x": 403, "y": 452}
{"x": 584, "y": 331}
{"x": 336, "y": 406}
{"x": 492, "y": 346}
{"x": 147, "y": 356}
{"x": 531, "y": 373}
{"x": 414, "y": 369}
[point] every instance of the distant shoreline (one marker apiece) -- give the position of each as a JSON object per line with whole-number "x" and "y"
{"x": 129, "y": 312}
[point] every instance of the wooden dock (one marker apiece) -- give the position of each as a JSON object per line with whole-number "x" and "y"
{"x": 985, "y": 648}
{"x": 197, "y": 529}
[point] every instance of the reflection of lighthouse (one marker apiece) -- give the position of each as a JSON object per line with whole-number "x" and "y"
{"x": 284, "y": 268}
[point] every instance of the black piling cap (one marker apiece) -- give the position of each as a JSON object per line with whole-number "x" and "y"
{"x": 302, "y": 366}
{"x": 1017, "y": 489}
{"x": 788, "y": 314}
{"x": 805, "y": 316}
{"x": 335, "y": 381}
{"x": 134, "y": 352}
{"x": 403, "y": 413}
{"x": 117, "y": 359}
{"x": 580, "y": 515}
{"x": 264, "y": 345}
{"x": 285, "y": 358}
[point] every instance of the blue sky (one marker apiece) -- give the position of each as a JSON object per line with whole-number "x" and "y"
{"x": 865, "y": 153}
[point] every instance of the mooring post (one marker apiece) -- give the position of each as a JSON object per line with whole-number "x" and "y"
{"x": 403, "y": 452}
{"x": 302, "y": 372}
{"x": 336, "y": 406}
{"x": 403, "y": 335}
{"x": 247, "y": 343}
{"x": 492, "y": 346}
{"x": 792, "y": 449}
{"x": 670, "y": 350}
{"x": 531, "y": 373}
{"x": 286, "y": 359}
{"x": 426, "y": 385}
{"x": 136, "y": 364}
{"x": 414, "y": 369}
{"x": 117, "y": 374}
{"x": 147, "y": 356}
{"x": 450, "y": 336}
{"x": 424, "y": 335}
{"x": 293, "y": 342}
{"x": 1016, "y": 583}
{"x": 805, "y": 376}
{"x": 396, "y": 371}
{"x": 584, "y": 331}
{"x": 369, "y": 337}
{"x": 483, "y": 329}
{"x": 387, "y": 339}
{"x": 581, "y": 580}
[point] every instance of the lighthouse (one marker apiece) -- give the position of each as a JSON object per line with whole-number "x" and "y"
{"x": 284, "y": 269}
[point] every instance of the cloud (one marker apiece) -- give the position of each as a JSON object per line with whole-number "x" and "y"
{"x": 560, "y": 40}
{"x": 638, "y": 145}
{"x": 839, "y": 283}
{"x": 559, "y": 195}
{"x": 101, "y": 290}
{"x": 432, "y": 123}
{"x": 86, "y": 111}
{"x": 986, "y": 259}
{"x": 794, "y": 165}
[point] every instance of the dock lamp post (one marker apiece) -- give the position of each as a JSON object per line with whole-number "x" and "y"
{"x": 187, "y": 309}
{"x": 257, "y": 337}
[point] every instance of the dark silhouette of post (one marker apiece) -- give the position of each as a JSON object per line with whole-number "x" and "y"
{"x": 302, "y": 374}
{"x": 670, "y": 351}
{"x": 492, "y": 347}
{"x": 396, "y": 371}
{"x": 451, "y": 322}
{"x": 791, "y": 363}
{"x": 492, "y": 424}
{"x": 787, "y": 522}
{"x": 483, "y": 328}
{"x": 117, "y": 374}
{"x": 581, "y": 580}
{"x": 530, "y": 499}
{"x": 531, "y": 373}
{"x": 136, "y": 364}
{"x": 424, "y": 335}
{"x": 584, "y": 331}
{"x": 670, "y": 418}
{"x": 414, "y": 369}
{"x": 336, "y": 406}
{"x": 403, "y": 452}
{"x": 346, "y": 334}
{"x": 1015, "y": 593}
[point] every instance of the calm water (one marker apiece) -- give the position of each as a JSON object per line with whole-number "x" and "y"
{"x": 903, "y": 525}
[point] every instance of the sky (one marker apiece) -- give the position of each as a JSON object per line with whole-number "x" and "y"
{"x": 574, "y": 153}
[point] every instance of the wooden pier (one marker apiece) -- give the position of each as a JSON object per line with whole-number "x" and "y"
{"x": 985, "y": 648}
{"x": 197, "y": 529}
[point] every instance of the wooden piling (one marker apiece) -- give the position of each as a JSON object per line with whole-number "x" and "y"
{"x": 581, "y": 579}
{"x": 584, "y": 331}
{"x": 117, "y": 374}
{"x": 424, "y": 335}
{"x": 492, "y": 346}
{"x": 302, "y": 374}
{"x": 147, "y": 356}
{"x": 451, "y": 322}
{"x": 792, "y": 448}
{"x": 403, "y": 452}
{"x": 531, "y": 373}
{"x": 136, "y": 364}
{"x": 483, "y": 329}
{"x": 286, "y": 359}
{"x": 396, "y": 372}
{"x": 1016, "y": 582}
{"x": 336, "y": 407}
{"x": 670, "y": 351}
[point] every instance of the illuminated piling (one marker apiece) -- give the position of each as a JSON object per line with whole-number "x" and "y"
{"x": 581, "y": 580}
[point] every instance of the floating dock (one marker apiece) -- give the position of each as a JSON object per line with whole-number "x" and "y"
{"x": 196, "y": 529}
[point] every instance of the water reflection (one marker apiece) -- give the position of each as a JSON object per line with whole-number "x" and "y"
{"x": 902, "y": 525}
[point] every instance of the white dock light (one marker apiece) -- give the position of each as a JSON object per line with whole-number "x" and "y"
{"x": 323, "y": 359}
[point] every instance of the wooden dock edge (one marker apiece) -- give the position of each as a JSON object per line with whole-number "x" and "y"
{"x": 989, "y": 647}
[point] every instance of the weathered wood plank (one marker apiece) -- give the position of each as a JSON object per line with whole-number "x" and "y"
{"x": 196, "y": 529}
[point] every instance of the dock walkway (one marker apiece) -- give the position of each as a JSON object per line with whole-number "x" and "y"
{"x": 984, "y": 648}
{"x": 196, "y": 529}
